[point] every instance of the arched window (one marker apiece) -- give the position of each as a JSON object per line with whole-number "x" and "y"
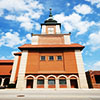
{"x": 62, "y": 82}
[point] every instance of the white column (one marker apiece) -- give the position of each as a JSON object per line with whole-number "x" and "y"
{"x": 78, "y": 83}
{"x": 35, "y": 40}
{"x": 57, "y": 29}
{"x": 13, "y": 73}
{"x": 22, "y": 69}
{"x": 80, "y": 67}
{"x": 46, "y": 83}
{"x": 35, "y": 84}
{"x": 2, "y": 82}
{"x": 67, "y": 39}
{"x": 57, "y": 83}
{"x": 43, "y": 29}
{"x": 68, "y": 83}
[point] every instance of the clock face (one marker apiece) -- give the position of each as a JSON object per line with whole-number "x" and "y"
{"x": 50, "y": 30}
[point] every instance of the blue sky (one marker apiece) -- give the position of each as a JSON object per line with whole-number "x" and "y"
{"x": 20, "y": 18}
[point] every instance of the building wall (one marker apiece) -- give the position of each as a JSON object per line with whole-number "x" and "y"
{"x": 67, "y": 64}
{"x": 91, "y": 79}
{"x": 51, "y": 39}
{"x": 70, "y": 61}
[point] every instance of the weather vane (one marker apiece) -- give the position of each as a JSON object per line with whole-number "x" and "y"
{"x": 50, "y": 13}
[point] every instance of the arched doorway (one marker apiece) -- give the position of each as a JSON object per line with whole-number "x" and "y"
{"x": 62, "y": 82}
{"x": 51, "y": 82}
{"x": 29, "y": 82}
{"x": 73, "y": 81}
{"x": 6, "y": 82}
{"x": 40, "y": 82}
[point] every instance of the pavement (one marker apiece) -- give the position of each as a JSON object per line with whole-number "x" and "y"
{"x": 40, "y": 94}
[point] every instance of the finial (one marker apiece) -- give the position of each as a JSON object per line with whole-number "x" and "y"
{"x": 50, "y": 13}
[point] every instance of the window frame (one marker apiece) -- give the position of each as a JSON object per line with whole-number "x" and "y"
{"x": 40, "y": 81}
{"x": 51, "y": 82}
{"x": 50, "y": 59}
{"x": 42, "y": 59}
{"x": 62, "y": 80}
{"x": 60, "y": 59}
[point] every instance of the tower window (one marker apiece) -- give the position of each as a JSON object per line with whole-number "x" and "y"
{"x": 59, "y": 57}
{"x": 51, "y": 58}
{"x": 50, "y": 30}
{"x": 42, "y": 58}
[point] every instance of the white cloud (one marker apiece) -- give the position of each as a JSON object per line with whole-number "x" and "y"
{"x": 1, "y": 12}
{"x": 28, "y": 36}
{"x": 37, "y": 26}
{"x": 68, "y": 4}
{"x": 11, "y": 39}
{"x": 83, "y": 9}
{"x": 27, "y": 25}
{"x": 96, "y": 66}
{"x": 97, "y": 2}
{"x": 10, "y": 17}
{"x": 94, "y": 41}
{"x": 3, "y": 58}
{"x": 23, "y": 11}
{"x": 74, "y": 22}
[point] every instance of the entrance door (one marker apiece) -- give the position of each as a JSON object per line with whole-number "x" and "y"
{"x": 29, "y": 84}
{"x": 74, "y": 83}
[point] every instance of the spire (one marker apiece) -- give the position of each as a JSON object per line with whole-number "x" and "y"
{"x": 50, "y": 13}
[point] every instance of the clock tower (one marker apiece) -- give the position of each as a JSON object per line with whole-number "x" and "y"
{"x": 50, "y": 26}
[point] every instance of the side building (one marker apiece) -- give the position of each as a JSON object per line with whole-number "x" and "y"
{"x": 93, "y": 79}
{"x": 50, "y": 61}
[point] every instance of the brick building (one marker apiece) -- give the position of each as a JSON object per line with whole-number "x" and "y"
{"x": 50, "y": 61}
{"x": 93, "y": 79}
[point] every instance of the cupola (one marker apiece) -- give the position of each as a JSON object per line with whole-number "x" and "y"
{"x": 51, "y": 26}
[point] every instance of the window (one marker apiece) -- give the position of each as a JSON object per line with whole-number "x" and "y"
{"x": 59, "y": 57}
{"x": 51, "y": 58}
{"x": 42, "y": 58}
{"x": 50, "y": 30}
{"x": 62, "y": 81}
{"x": 97, "y": 78}
{"x": 40, "y": 81}
{"x": 51, "y": 81}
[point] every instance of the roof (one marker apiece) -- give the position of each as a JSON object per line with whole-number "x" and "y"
{"x": 6, "y": 67}
{"x": 30, "y": 46}
{"x": 51, "y": 21}
{"x": 18, "y": 53}
{"x": 6, "y": 61}
{"x": 26, "y": 46}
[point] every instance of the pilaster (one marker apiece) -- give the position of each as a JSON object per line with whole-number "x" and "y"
{"x": 81, "y": 71}
{"x": 22, "y": 69}
{"x": 14, "y": 70}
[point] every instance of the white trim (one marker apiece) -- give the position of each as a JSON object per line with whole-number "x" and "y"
{"x": 62, "y": 76}
{"x": 22, "y": 68}
{"x": 81, "y": 71}
{"x": 35, "y": 40}
{"x": 67, "y": 39}
{"x": 73, "y": 76}
{"x": 57, "y": 29}
{"x": 40, "y": 76}
{"x": 30, "y": 76}
{"x": 43, "y": 29}
{"x": 14, "y": 69}
{"x": 51, "y": 76}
